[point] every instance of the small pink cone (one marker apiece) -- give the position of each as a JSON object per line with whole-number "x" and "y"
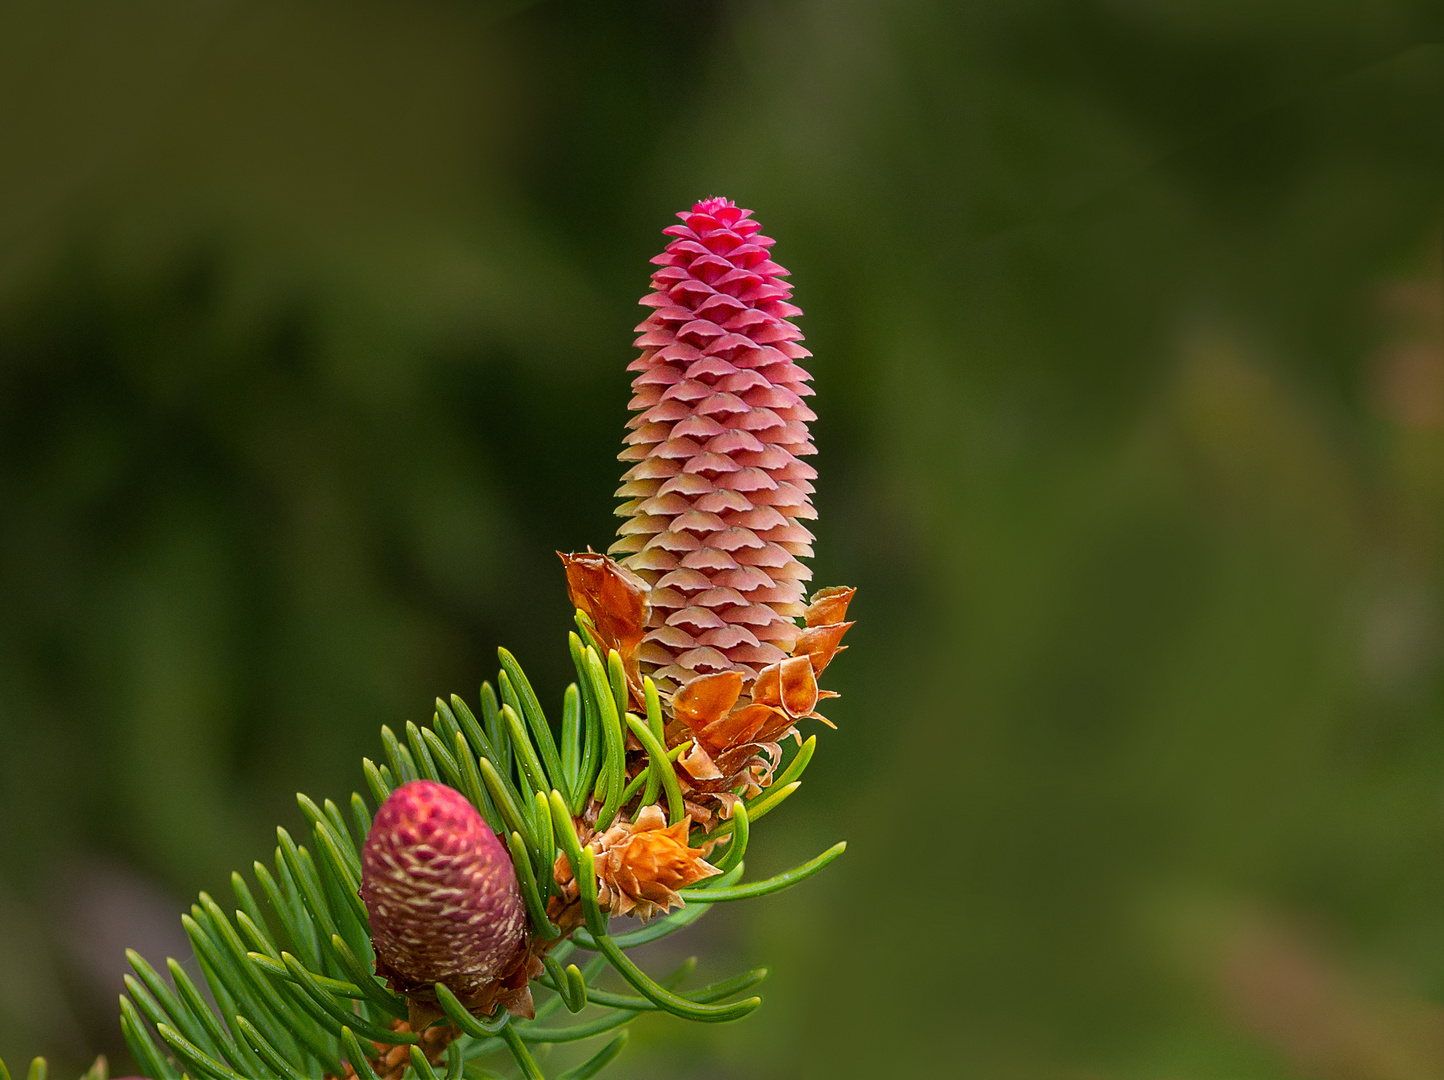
{"x": 440, "y": 890}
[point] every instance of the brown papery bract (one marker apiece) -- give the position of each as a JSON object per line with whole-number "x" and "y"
{"x": 616, "y": 601}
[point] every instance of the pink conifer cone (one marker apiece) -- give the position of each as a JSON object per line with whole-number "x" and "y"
{"x": 440, "y": 890}
{"x": 717, "y": 487}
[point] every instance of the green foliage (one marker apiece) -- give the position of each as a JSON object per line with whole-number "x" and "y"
{"x": 40, "y": 1069}
{"x": 296, "y": 994}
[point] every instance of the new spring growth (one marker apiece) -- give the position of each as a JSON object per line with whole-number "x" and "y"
{"x": 716, "y": 494}
{"x": 507, "y": 839}
{"x": 441, "y": 894}
{"x": 708, "y": 584}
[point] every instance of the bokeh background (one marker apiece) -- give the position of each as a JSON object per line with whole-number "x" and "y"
{"x": 1129, "y": 332}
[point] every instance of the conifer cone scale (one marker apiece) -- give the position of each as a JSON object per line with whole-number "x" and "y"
{"x": 717, "y": 492}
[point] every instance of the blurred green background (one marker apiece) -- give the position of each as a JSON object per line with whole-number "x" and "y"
{"x": 1129, "y": 334}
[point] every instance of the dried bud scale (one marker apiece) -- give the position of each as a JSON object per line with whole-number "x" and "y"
{"x": 735, "y": 740}
{"x": 718, "y": 491}
{"x": 641, "y": 865}
{"x": 441, "y": 892}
